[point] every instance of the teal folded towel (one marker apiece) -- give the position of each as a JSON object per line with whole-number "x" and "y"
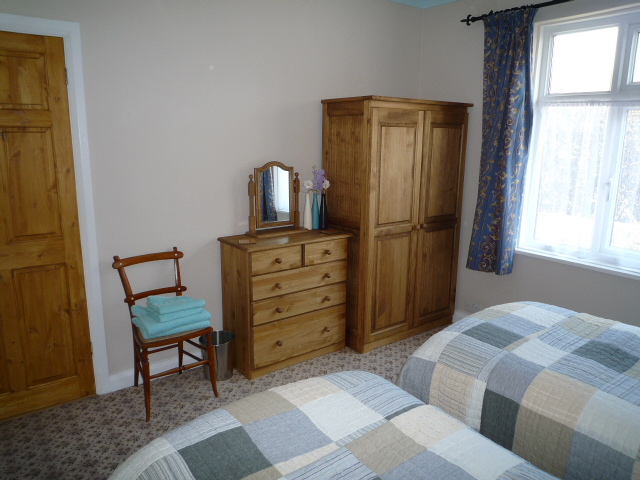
{"x": 184, "y": 328}
{"x": 152, "y": 328}
{"x": 164, "y": 317}
{"x": 164, "y": 305}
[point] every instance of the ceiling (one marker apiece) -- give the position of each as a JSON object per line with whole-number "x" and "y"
{"x": 423, "y": 3}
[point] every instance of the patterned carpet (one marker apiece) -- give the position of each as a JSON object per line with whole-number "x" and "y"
{"x": 89, "y": 438}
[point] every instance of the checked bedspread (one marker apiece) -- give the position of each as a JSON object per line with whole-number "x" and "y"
{"x": 558, "y": 388}
{"x": 348, "y": 425}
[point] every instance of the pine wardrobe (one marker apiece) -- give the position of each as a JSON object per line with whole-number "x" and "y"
{"x": 396, "y": 169}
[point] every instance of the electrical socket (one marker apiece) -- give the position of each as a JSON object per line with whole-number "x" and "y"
{"x": 472, "y": 307}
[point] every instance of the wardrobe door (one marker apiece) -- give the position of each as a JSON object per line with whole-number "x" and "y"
{"x": 440, "y": 206}
{"x": 395, "y": 172}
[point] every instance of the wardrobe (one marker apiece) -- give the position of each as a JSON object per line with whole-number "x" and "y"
{"x": 396, "y": 169}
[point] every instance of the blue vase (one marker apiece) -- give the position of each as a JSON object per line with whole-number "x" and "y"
{"x": 315, "y": 213}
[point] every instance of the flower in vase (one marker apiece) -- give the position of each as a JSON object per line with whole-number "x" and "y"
{"x": 319, "y": 182}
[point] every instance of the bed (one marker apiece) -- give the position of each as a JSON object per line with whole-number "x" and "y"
{"x": 348, "y": 425}
{"x": 560, "y": 389}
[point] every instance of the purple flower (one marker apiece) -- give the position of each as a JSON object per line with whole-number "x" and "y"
{"x": 319, "y": 182}
{"x": 318, "y": 179}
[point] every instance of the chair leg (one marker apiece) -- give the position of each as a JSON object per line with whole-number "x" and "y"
{"x": 136, "y": 363}
{"x": 146, "y": 374}
{"x": 212, "y": 364}
{"x": 180, "y": 355}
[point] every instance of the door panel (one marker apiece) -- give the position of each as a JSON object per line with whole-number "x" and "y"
{"x": 434, "y": 274}
{"x": 32, "y": 197}
{"x": 398, "y": 140}
{"x": 441, "y": 171}
{"x": 397, "y": 148}
{"x": 45, "y": 325}
{"x": 45, "y": 348}
{"x": 392, "y": 283}
{"x": 21, "y": 77}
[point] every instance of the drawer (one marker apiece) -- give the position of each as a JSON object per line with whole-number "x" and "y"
{"x": 296, "y": 280}
{"x": 276, "y": 260}
{"x": 328, "y": 251}
{"x": 286, "y": 306}
{"x": 295, "y": 336}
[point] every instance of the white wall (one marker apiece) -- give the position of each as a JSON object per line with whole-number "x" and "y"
{"x": 452, "y": 62}
{"x": 185, "y": 98}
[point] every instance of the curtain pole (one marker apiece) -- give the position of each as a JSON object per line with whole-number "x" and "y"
{"x": 469, "y": 20}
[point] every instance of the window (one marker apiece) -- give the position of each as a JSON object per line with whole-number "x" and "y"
{"x": 582, "y": 192}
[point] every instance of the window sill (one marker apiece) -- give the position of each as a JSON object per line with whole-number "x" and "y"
{"x": 589, "y": 265}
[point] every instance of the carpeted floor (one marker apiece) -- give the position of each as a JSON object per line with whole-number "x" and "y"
{"x": 89, "y": 438}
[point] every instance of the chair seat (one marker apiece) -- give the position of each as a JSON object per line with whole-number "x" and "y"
{"x": 149, "y": 342}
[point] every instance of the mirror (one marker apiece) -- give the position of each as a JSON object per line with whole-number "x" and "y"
{"x": 273, "y": 197}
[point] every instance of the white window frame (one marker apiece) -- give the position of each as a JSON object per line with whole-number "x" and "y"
{"x": 622, "y": 92}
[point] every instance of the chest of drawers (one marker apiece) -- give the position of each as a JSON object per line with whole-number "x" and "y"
{"x": 284, "y": 297}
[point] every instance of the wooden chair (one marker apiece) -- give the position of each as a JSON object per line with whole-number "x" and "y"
{"x": 143, "y": 347}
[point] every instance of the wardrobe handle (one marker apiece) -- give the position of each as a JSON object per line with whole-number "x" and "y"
{"x": 278, "y": 260}
{"x": 278, "y": 286}
{"x": 327, "y": 275}
{"x": 279, "y": 310}
{"x": 328, "y": 252}
{"x": 327, "y": 329}
{"x": 326, "y": 299}
{"x": 279, "y": 343}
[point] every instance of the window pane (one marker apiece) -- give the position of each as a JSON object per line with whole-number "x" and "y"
{"x": 571, "y": 142}
{"x": 626, "y": 223}
{"x": 583, "y": 61}
{"x": 636, "y": 56}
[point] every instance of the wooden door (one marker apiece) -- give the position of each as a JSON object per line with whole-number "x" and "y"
{"x": 396, "y": 153}
{"x": 441, "y": 202}
{"x": 45, "y": 348}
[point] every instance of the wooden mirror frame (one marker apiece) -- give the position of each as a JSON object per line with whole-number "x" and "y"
{"x": 256, "y": 226}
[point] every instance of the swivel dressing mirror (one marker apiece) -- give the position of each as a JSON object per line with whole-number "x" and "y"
{"x": 273, "y": 200}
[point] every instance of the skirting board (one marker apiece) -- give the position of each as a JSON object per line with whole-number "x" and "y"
{"x": 124, "y": 379}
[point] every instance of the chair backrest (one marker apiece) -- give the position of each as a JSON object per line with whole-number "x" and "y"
{"x": 130, "y": 297}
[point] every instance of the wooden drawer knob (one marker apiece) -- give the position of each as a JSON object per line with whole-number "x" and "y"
{"x": 327, "y": 329}
{"x": 278, "y": 285}
{"x": 279, "y": 343}
{"x": 278, "y": 260}
{"x": 326, "y": 299}
{"x": 328, "y": 252}
{"x": 327, "y": 275}
{"x": 279, "y": 310}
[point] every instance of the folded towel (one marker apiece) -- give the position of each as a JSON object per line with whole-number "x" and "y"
{"x": 183, "y": 328}
{"x": 152, "y": 328}
{"x": 164, "y": 317}
{"x": 165, "y": 305}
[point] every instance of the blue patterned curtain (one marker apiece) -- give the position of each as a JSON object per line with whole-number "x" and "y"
{"x": 269, "y": 212}
{"x": 506, "y": 129}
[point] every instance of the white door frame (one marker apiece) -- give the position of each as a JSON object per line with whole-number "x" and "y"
{"x": 70, "y": 32}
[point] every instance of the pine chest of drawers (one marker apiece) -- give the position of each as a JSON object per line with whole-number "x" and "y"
{"x": 284, "y": 297}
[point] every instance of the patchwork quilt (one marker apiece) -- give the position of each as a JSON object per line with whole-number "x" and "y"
{"x": 349, "y": 425}
{"x": 558, "y": 388}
